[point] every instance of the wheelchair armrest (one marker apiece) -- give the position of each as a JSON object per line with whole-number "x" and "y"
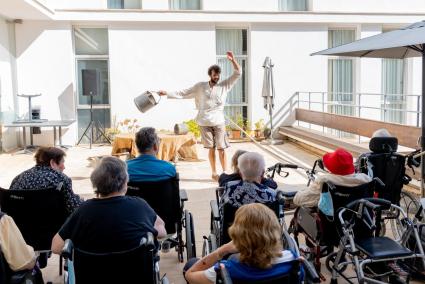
{"x": 224, "y": 274}
{"x": 311, "y": 272}
{"x": 183, "y": 195}
{"x": 67, "y": 249}
{"x": 214, "y": 210}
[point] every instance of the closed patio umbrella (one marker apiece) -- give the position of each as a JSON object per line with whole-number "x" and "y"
{"x": 268, "y": 94}
{"x": 403, "y": 43}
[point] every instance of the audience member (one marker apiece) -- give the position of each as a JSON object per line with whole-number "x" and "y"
{"x": 147, "y": 167}
{"x": 249, "y": 189}
{"x": 341, "y": 172}
{"x": 256, "y": 237}
{"x": 112, "y": 221}
{"x": 48, "y": 173}
{"x": 236, "y": 175}
{"x": 18, "y": 255}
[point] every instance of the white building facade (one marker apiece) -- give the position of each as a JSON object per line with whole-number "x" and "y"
{"x": 139, "y": 45}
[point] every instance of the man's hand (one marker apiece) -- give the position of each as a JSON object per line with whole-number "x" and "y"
{"x": 230, "y": 56}
{"x": 162, "y": 93}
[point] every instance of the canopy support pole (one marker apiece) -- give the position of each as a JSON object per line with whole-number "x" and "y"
{"x": 423, "y": 124}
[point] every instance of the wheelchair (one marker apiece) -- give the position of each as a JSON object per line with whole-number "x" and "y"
{"x": 301, "y": 271}
{"x": 319, "y": 230}
{"x": 375, "y": 258}
{"x": 385, "y": 163}
{"x": 39, "y": 214}
{"x": 222, "y": 218}
{"x": 137, "y": 265}
{"x": 167, "y": 200}
{"x": 7, "y": 276}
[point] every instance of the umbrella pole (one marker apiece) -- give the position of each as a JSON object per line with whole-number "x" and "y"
{"x": 423, "y": 124}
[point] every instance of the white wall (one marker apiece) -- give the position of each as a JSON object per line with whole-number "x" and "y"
{"x": 165, "y": 56}
{"x": 369, "y": 6}
{"x": 7, "y": 84}
{"x": 45, "y": 65}
{"x": 295, "y": 70}
{"x": 77, "y": 4}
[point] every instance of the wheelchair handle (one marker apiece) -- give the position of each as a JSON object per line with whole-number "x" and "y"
{"x": 386, "y": 204}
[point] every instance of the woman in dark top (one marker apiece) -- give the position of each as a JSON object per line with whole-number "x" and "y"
{"x": 112, "y": 221}
{"x": 48, "y": 173}
{"x": 225, "y": 178}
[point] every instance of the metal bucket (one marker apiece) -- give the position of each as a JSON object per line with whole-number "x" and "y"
{"x": 181, "y": 129}
{"x": 146, "y": 101}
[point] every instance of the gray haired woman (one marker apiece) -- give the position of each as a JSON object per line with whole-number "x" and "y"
{"x": 112, "y": 221}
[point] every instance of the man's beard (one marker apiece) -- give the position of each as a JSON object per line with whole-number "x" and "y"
{"x": 215, "y": 81}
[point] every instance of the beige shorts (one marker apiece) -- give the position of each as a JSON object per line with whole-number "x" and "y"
{"x": 214, "y": 137}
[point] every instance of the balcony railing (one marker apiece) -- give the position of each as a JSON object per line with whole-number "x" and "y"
{"x": 395, "y": 108}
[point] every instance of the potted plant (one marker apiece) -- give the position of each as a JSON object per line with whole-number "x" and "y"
{"x": 193, "y": 127}
{"x": 259, "y": 126}
{"x": 236, "y": 133}
{"x": 129, "y": 125}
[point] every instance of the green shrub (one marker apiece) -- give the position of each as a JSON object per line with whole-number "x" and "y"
{"x": 193, "y": 127}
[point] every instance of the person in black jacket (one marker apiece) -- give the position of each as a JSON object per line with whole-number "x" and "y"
{"x": 225, "y": 178}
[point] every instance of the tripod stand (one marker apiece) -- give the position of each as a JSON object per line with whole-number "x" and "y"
{"x": 93, "y": 125}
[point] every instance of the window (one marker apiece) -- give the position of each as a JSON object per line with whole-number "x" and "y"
{"x": 185, "y": 4}
{"x": 341, "y": 74}
{"x": 92, "y": 52}
{"x": 234, "y": 40}
{"x": 293, "y": 5}
{"x": 393, "y": 90}
{"x": 124, "y": 4}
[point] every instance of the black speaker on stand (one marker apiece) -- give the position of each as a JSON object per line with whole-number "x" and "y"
{"x": 91, "y": 82}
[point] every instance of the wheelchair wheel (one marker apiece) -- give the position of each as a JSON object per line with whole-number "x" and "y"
{"x": 190, "y": 235}
{"x": 410, "y": 205}
{"x": 330, "y": 260}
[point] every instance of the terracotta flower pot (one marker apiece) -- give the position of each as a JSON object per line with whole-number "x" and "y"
{"x": 236, "y": 134}
{"x": 257, "y": 133}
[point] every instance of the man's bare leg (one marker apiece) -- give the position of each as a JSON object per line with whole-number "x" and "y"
{"x": 223, "y": 159}
{"x": 211, "y": 157}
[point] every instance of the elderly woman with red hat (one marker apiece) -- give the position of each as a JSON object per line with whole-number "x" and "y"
{"x": 341, "y": 172}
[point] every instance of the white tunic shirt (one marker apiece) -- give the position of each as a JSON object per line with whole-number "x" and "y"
{"x": 209, "y": 101}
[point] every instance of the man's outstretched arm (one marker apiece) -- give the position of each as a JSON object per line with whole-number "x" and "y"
{"x": 183, "y": 94}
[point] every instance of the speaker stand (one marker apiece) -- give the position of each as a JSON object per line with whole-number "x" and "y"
{"x": 91, "y": 127}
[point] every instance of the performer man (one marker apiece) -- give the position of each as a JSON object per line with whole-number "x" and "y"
{"x": 210, "y": 98}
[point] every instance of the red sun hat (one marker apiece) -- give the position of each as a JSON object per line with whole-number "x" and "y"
{"x": 339, "y": 162}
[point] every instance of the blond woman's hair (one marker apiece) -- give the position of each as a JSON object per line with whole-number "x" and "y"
{"x": 256, "y": 233}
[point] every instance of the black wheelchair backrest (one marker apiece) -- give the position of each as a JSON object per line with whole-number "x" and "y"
{"x": 383, "y": 144}
{"x": 341, "y": 196}
{"x": 164, "y": 198}
{"x": 388, "y": 167}
{"x": 136, "y": 265}
{"x": 39, "y": 214}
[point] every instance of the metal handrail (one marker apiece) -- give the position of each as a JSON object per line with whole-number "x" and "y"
{"x": 357, "y": 104}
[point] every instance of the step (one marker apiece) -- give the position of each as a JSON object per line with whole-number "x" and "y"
{"x": 320, "y": 140}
